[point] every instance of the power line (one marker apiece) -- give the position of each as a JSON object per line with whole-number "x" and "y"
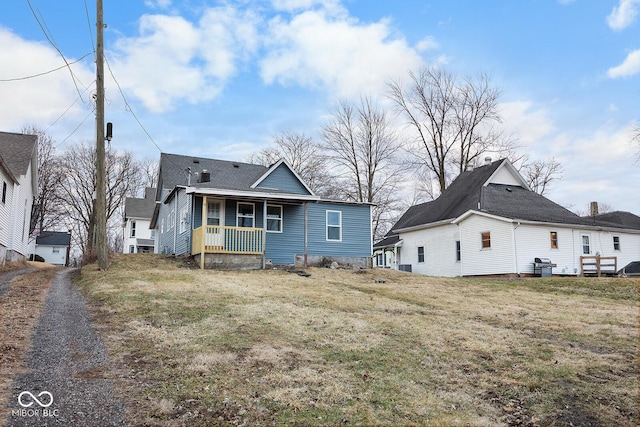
{"x": 46, "y": 72}
{"x": 86, "y": 9}
{"x": 128, "y": 106}
{"x": 44, "y": 31}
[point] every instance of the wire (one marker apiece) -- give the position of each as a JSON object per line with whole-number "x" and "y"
{"x": 44, "y": 31}
{"x": 77, "y": 127}
{"x": 128, "y": 106}
{"x": 46, "y": 72}
{"x": 86, "y": 9}
{"x": 69, "y": 108}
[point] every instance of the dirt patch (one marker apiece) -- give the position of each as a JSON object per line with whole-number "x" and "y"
{"x": 22, "y": 305}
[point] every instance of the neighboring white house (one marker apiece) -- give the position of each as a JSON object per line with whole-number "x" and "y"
{"x": 488, "y": 222}
{"x": 138, "y": 237}
{"x": 18, "y": 186}
{"x": 53, "y": 247}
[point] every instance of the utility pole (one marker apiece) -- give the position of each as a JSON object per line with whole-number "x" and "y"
{"x": 100, "y": 203}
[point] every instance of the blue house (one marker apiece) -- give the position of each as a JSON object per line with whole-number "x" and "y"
{"x": 237, "y": 215}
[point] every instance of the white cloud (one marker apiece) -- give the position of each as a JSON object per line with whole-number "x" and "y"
{"x": 525, "y": 122}
{"x": 157, "y": 4}
{"x": 42, "y": 99}
{"x": 629, "y": 67}
{"x": 173, "y": 59}
{"x": 316, "y": 49}
{"x": 427, "y": 43}
{"x": 623, "y": 15}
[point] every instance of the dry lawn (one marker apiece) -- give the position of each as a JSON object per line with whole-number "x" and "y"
{"x": 340, "y": 348}
{"x": 20, "y": 309}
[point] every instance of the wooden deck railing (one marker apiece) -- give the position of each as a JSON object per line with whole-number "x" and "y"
{"x": 227, "y": 240}
{"x": 598, "y": 265}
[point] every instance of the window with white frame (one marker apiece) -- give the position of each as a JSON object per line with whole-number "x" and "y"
{"x": 486, "y": 240}
{"x": 274, "y": 219}
{"x": 420, "y": 253}
{"x": 245, "y": 215}
{"x": 133, "y": 229}
{"x": 458, "y": 251}
{"x": 586, "y": 246}
{"x": 334, "y": 226}
{"x": 616, "y": 243}
{"x": 55, "y": 250}
{"x": 4, "y": 192}
{"x": 162, "y": 226}
{"x": 184, "y": 212}
{"x": 172, "y": 220}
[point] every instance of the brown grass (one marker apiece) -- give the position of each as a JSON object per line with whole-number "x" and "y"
{"x": 270, "y": 347}
{"x": 19, "y": 312}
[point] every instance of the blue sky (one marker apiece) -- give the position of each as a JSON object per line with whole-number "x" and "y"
{"x": 220, "y": 79}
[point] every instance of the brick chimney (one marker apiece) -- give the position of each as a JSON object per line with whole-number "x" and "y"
{"x": 593, "y": 208}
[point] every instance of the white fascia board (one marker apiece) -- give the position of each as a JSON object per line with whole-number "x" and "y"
{"x": 424, "y": 226}
{"x": 274, "y": 167}
{"x": 254, "y": 194}
{"x": 578, "y": 226}
{"x": 468, "y": 213}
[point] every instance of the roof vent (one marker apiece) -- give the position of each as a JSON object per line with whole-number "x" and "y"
{"x": 509, "y": 189}
{"x": 487, "y": 160}
{"x": 196, "y": 161}
{"x": 205, "y": 176}
{"x": 235, "y": 165}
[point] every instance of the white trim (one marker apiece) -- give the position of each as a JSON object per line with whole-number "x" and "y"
{"x": 254, "y": 194}
{"x": 222, "y": 211}
{"x": 326, "y": 227}
{"x": 281, "y": 219}
{"x": 276, "y": 166}
{"x": 423, "y": 226}
{"x": 253, "y": 215}
{"x": 513, "y": 172}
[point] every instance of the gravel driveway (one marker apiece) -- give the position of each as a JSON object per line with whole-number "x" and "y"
{"x": 68, "y": 366}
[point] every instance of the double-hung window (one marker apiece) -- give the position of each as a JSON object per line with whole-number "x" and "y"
{"x": 553, "y": 236}
{"x": 4, "y": 192}
{"x": 274, "y": 219}
{"x": 133, "y": 229}
{"x": 616, "y": 243}
{"x": 184, "y": 212}
{"x": 334, "y": 226}
{"x": 586, "y": 246}
{"x": 486, "y": 240}
{"x": 245, "y": 215}
{"x": 420, "y": 253}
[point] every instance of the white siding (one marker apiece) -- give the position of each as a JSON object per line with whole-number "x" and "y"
{"x": 439, "y": 250}
{"x": 142, "y": 232}
{"x": 21, "y": 201}
{"x": 50, "y": 256}
{"x": 499, "y": 259}
{"x": 6, "y": 213}
{"x": 504, "y": 176}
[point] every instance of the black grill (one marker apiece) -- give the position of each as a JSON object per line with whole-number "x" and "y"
{"x": 542, "y": 267}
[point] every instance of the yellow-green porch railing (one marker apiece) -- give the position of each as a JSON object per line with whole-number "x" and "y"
{"x": 227, "y": 240}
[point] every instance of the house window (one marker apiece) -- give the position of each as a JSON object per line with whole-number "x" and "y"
{"x": 132, "y": 249}
{"x": 172, "y": 220}
{"x": 420, "y": 253}
{"x": 184, "y": 212}
{"x": 245, "y": 215}
{"x": 486, "y": 240}
{"x": 55, "y": 250}
{"x": 334, "y": 226}
{"x": 133, "y": 229}
{"x": 4, "y": 192}
{"x": 616, "y": 243}
{"x": 214, "y": 213}
{"x": 458, "y": 252}
{"x": 162, "y": 226}
{"x": 274, "y": 219}
{"x": 586, "y": 247}
{"x": 553, "y": 236}
{"x": 153, "y": 233}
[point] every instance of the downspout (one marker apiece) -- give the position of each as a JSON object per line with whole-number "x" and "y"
{"x": 461, "y": 257}
{"x": 515, "y": 248}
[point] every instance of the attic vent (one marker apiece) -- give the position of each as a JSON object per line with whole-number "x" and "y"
{"x": 196, "y": 161}
{"x": 236, "y": 165}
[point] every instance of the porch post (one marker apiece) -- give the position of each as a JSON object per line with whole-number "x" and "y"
{"x": 204, "y": 230}
{"x": 264, "y": 234}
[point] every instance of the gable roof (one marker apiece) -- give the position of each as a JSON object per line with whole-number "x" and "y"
{"x": 272, "y": 171}
{"x": 462, "y": 195}
{"x": 140, "y": 208}
{"x": 53, "y": 238}
{"x": 480, "y": 191}
{"x": 16, "y": 151}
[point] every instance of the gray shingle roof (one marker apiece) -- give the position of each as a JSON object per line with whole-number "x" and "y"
{"x": 468, "y": 192}
{"x": 387, "y": 241}
{"x": 462, "y": 195}
{"x": 140, "y": 208}
{"x": 53, "y": 238}
{"x": 223, "y": 174}
{"x": 16, "y": 151}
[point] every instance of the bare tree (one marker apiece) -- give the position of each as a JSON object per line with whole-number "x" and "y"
{"x": 78, "y": 187}
{"x": 46, "y": 210}
{"x": 149, "y": 170}
{"x": 539, "y": 174}
{"x": 303, "y": 154}
{"x": 362, "y": 148}
{"x": 453, "y": 123}
{"x": 635, "y": 138}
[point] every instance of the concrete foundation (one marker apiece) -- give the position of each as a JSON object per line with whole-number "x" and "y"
{"x": 326, "y": 261}
{"x": 231, "y": 261}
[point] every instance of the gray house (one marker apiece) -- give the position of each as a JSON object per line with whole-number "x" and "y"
{"x": 240, "y": 215}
